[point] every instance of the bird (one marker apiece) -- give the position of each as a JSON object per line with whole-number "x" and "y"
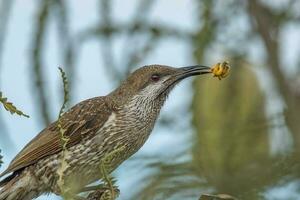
{"x": 123, "y": 119}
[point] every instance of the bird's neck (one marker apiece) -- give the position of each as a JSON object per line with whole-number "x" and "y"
{"x": 138, "y": 117}
{"x": 144, "y": 106}
{"x": 130, "y": 123}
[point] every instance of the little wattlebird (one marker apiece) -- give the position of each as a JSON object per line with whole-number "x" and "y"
{"x": 94, "y": 127}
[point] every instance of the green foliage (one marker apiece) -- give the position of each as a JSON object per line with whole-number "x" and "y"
{"x": 230, "y": 144}
{"x": 10, "y": 107}
{"x": 217, "y": 197}
{"x": 64, "y": 139}
{"x": 231, "y": 132}
{"x": 39, "y": 32}
{"x": 106, "y": 168}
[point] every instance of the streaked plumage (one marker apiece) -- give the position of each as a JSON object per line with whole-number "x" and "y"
{"x": 95, "y": 127}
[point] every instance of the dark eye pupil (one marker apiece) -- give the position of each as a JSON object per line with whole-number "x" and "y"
{"x": 155, "y": 77}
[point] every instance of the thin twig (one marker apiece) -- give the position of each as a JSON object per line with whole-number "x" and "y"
{"x": 68, "y": 48}
{"x": 131, "y": 54}
{"x": 37, "y": 52}
{"x": 162, "y": 30}
{"x": 63, "y": 137}
{"x": 5, "y": 10}
{"x": 106, "y": 42}
{"x": 62, "y": 109}
{"x": 4, "y": 18}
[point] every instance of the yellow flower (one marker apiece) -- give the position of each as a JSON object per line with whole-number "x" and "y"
{"x": 220, "y": 70}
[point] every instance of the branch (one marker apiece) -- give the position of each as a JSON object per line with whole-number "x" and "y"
{"x": 161, "y": 30}
{"x": 133, "y": 54}
{"x": 269, "y": 34}
{"x": 217, "y": 197}
{"x": 62, "y": 109}
{"x": 64, "y": 139}
{"x": 38, "y": 44}
{"x": 4, "y": 17}
{"x": 68, "y": 47}
{"x": 106, "y": 43}
{"x": 1, "y": 162}
{"x": 106, "y": 168}
{"x": 268, "y": 29}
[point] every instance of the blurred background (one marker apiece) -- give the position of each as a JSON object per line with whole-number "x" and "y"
{"x": 239, "y": 136}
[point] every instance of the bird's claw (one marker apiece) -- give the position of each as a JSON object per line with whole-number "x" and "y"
{"x": 104, "y": 194}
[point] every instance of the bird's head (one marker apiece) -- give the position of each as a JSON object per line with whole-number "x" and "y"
{"x": 154, "y": 82}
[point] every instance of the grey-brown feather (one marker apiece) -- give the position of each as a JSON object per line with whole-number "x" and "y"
{"x": 95, "y": 127}
{"x": 82, "y": 121}
{"x": 127, "y": 127}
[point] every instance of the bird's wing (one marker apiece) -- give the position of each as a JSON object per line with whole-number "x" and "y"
{"x": 81, "y": 121}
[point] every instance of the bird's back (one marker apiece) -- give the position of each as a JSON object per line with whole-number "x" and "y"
{"x": 80, "y": 122}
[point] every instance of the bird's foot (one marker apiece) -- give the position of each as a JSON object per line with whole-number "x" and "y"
{"x": 100, "y": 192}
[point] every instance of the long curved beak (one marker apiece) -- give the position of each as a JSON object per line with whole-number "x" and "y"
{"x": 184, "y": 72}
{"x": 195, "y": 70}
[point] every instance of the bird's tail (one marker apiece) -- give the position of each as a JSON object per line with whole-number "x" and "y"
{"x": 20, "y": 187}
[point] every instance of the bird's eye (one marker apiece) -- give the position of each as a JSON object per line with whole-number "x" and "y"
{"x": 155, "y": 77}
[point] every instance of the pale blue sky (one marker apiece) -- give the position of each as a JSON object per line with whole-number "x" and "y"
{"x": 91, "y": 79}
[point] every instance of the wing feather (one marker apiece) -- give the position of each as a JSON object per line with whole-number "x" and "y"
{"x": 81, "y": 121}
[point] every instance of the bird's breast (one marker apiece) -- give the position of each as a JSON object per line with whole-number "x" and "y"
{"x": 129, "y": 127}
{"x": 124, "y": 129}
